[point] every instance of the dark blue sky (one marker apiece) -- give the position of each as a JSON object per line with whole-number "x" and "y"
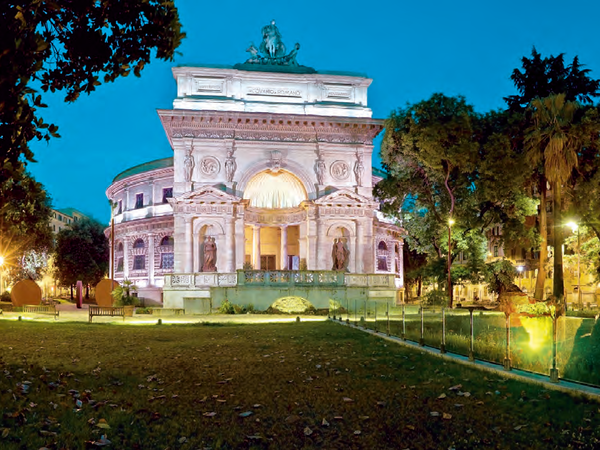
{"x": 410, "y": 49}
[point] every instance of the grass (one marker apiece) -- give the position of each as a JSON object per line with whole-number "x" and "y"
{"x": 280, "y": 386}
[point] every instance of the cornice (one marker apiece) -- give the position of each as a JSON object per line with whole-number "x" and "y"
{"x": 144, "y": 177}
{"x": 181, "y": 123}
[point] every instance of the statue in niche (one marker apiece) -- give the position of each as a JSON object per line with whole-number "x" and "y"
{"x": 359, "y": 168}
{"x": 272, "y": 44}
{"x": 230, "y": 166}
{"x": 340, "y": 254}
{"x": 210, "y": 254}
{"x": 188, "y": 165}
{"x": 320, "y": 170}
{"x": 275, "y": 161}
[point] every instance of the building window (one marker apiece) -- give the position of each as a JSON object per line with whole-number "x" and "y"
{"x": 166, "y": 260}
{"x": 139, "y": 262}
{"x": 495, "y": 251}
{"x": 139, "y": 201}
{"x": 167, "y": 241}
{"x": 382, "y": 263}
{"x": 167, "y": 193}
{"x": 120, "y": 207}
{"x": 120, "y": 265}
{"x": 120, "y": 247}
{"x": 139, "y": 243}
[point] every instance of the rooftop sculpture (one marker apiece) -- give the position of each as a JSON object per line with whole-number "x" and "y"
{"x": 271, "y": 54}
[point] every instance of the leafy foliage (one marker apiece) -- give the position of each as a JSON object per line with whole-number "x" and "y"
{"x": 122, "y": 294}
{"x": 500, "y": 275}
{"x": 82, "y": 253}
{"x": 66, "y": 45}
{"x": 24, "y": 222}
{"x": 435, "y": 297}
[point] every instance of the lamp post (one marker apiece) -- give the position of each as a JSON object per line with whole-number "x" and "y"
{"x": 575, "y": 227}
{"x": 1, "y": 269}
{"x": 450, "y": 223}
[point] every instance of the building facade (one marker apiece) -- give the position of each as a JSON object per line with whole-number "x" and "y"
{"x": 271, "y": 171}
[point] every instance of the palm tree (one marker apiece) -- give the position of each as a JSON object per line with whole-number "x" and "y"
{"x": 552, "y": 142}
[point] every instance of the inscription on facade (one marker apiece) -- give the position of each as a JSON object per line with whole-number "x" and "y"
{"x": 208, "y": 85}
{"x": 339, "y": 92}
{"x": 278, "y": 92}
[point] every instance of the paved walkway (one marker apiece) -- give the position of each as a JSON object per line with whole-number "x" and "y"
{"x": 68, "y": 312}
{"x": 515, "y": 374}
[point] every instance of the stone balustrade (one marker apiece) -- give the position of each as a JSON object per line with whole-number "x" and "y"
{"x": 280, "y": 278}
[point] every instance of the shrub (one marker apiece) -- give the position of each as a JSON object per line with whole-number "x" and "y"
{"x": 227, "y": 308}
{"x": 5, "y": 297}
{"x": 435, "y": 297}
{"x": 122, "y": 294}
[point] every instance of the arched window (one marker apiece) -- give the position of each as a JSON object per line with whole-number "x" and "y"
{"x": 167, "y": 241}
{"x": 120, "y": 247}
{"x": 139, "y": 243}
{"x": 382, "y": 256}
{"x": 382, "y": 245}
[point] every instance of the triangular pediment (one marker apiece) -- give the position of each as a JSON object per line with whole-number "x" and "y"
{"x": 343, "y": 196}
{"x": 206, "y": 194}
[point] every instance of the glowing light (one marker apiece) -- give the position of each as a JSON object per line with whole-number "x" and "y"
{"x": 573, "y": 226}
{"x": 450, "y": 222}
{"x": 520, "y": 268}
{"x": 1, "y": 260}
{"x": 539, "y": 329}
{"x": 275, "y": 190}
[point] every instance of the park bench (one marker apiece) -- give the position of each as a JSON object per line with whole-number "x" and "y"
{"x": 106, "y": 311}
{"x": 41, "y": 309}
{"x": 167, "y": 311}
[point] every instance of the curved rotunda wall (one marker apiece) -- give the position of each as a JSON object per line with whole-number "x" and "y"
{"x": 275, "y": 190}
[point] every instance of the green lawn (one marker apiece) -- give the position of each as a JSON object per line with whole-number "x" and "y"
{"x": 306, "y": 385}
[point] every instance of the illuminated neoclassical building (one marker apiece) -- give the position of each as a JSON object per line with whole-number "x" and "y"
{"x": 272, "y": 166}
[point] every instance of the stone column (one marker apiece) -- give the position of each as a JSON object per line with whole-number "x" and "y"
{"x": 125, "y": 257}
{"x": 150, "y": 254}
{"x": 256, "y": 247}
{"x": 401, "y": 263}
{"x": 189, "y": 245}
{"x": 230, "y": 243}
{"x": 360, "y": 247}
{"x": 393, "y": 262}
{"x": 284, "y": 250}
{"x": 321, "y": 251}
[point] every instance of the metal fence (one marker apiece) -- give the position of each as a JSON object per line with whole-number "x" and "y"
{"x": 566, "y": 348}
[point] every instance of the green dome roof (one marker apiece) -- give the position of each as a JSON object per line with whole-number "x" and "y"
{"x": 146, "y": 167}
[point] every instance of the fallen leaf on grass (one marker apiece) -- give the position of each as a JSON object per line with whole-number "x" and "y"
{"x": 182, "y": 440}
{"x": 410, "y": 427}
{"x": 348, "y": 400}
{"x": 455, "y": 388}
{"x": 434, "y": 414}
{"x": 103, "y": 424}
{"x": 292, "y": 419}
{"x": 307, "y": 431}
{"x": 246, "y": 414}
{"x": 442, "y": 396}
{"x": 518, "y": 427}
{"x": 446, "y": 416}
{"x": 209, "y": 414}
{"x": 325, "y": 423}
{"x": 357, "y": 432}
{"x": 5, "y": 432}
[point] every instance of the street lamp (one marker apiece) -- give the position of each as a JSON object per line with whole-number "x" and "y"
{"x": 450, "y": 223}
{"x": 520, "y": 270}
{"x": 575, "y": 227}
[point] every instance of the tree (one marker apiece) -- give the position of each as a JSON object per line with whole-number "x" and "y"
{"x": 540, "y": 78}
{"x": 552, "y": 142}
{"x": 82, "y": 253}
{"x": 67, "y": 45}
{"x": 443, "y": 161}
{"x": 24, "y": 223}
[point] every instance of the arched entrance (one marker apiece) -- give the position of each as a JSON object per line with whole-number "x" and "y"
{"x": 273, "y": 218}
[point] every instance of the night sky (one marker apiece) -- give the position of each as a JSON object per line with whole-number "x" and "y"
{"x": 410, "y": 49}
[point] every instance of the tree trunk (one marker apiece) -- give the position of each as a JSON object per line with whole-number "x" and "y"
{"x": 541, "y": 276}
{"x": 72, "y": 293}
{"x": 419, "y": 286}
{"x": 558, "y": 281}
{"x": 87, "y": 291}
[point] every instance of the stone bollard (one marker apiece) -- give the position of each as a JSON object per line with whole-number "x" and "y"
{"x": 298, "y": 319}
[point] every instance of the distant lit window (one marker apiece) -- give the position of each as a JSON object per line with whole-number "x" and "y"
{"x": 167, "y": 193}
{"x": 139, "y": 201}
{"x": 120, "y": 265}
{"x": 495, "y": 250}
{"x": 139, "y": 262}
{"x": 139, "y": 243}
{"x": 166, "y": 260}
